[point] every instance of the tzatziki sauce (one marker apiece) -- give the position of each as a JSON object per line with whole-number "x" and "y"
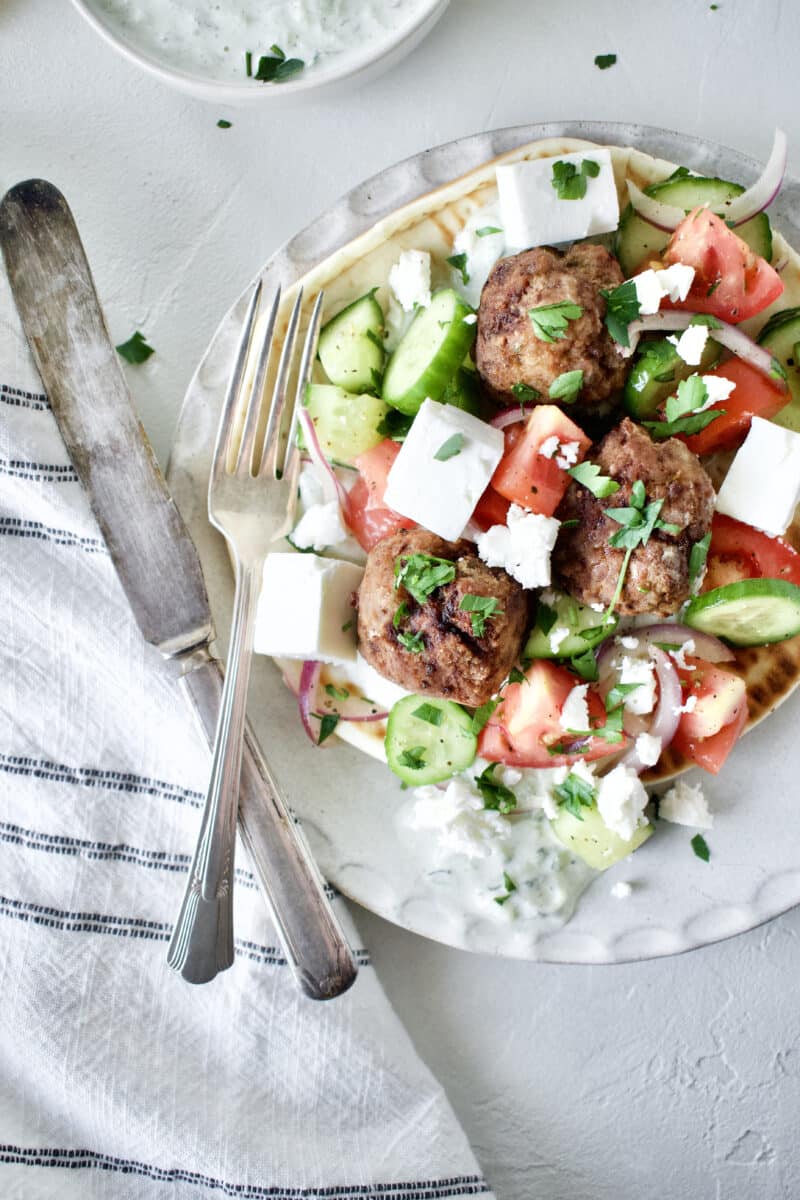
{"x": 201, "y": 37}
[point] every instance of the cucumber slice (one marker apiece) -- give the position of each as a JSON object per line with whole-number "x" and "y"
{"x": 433, "y": 346}
{"x": 593, "y": 841}
{"x": 420, "y": 751}
{"x": 638, "y": 241}
{"x": 464, "y": 391}
{"x": 351, "y": 346}
{"x": 346, "y": 425}
{"x": 781, "y": 335}
{"x": 586, "y": 628}
{"x": 753, "y": 612}
{"x": 657, "y": 370}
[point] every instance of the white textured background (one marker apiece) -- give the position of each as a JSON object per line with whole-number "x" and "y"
{"x": 678, "y": 1079}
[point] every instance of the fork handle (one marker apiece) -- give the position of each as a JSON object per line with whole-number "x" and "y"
{"x": 310, "y": 934}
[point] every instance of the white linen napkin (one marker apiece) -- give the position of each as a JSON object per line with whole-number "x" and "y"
{"x": 117, "y": 1078}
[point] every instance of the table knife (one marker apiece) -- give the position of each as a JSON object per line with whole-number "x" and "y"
{"x": 160, "y": 571}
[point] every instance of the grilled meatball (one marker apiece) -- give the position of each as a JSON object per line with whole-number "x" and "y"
{"x": 657, "y": 580}
{"x": 508, "y": 351}
{"x": 453, "y": 663}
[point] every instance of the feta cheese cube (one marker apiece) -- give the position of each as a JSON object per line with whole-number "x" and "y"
{"x": 648, "y": 748}
{"x": 717, "y": 389}
{"x": 649, "y": 292}
{"x": 442, "y": 496}
{"x": 675, "y": 281}
{"x": 575, "y": 710}
{"x": 762, "y": 486}
{"x": 638, "y": 671}
{"x": 621, "y": 801}
{"x": 522, "y": 547}
{"x": 532, "y": 213}
{"x": 691, "y": 344}
{"x": 410, "y": 279}
{"x": 686, "y": 804}
{"x": 304, "y": 605}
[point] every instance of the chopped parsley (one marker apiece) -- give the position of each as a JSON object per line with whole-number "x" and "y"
{"x": 135, "y": 350}
{"x": 422, "y": 574}
{"x": 495, "y": 794}
{"x": 222, "y": 124}
{"x": 679, "y": 173}
{"x": 574, "y": 794}
{"x": 622, "y": 307}
{"x": 449, "y": 449}
{"x": 400, "y": 614}
{"x": 482, "y": 715}
{"x": 347, "y": 625}
{"x": 551, "y": 320}
{"x": 459, "y": 263}
{"x": 604, "y": 61}
{"x": 585, "y": 665}
{"x": 545, "y": 617}
{"x": 248, "y": 63}
{"x": 566, "y": 386}
{"x": 327, "y": 724}
{"x": 486, "y": 230}
{"x": 589, "y": 474}
{"x": 570, "y": 182}
{"x": 509, "y": 885}
{"x": 394, "y": 424}
{"x": 693, "y": 423}
{"x": 516, "y": 676}
{"x": 697, "y": 560}
{"x": 684, "y": 411}
{"x": 638, "y": 522}
{"x": 336, "y": 693}
{"x": 414, "y": 643}
{"x": 617, "y": 694}
{"x": 429, "y": 713}
{"x": 276, "y": 67}
{"x": 700, "y": 847}
{"x": 481, "y": 610}
{"x": 413, "y": 758}
{"x": 525, "y": 393}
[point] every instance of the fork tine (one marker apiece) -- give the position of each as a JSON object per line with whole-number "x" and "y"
{"x": 244, "y": 459}
{"x": 272, "y": 434}
{"x": 303, "y": 379}
{"x": 231, "y": 403}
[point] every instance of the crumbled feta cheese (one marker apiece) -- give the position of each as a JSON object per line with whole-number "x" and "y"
{"x": 596, "y": 606}
{"x": 648, "y": 292}
{"x": 627, "y": 643}
{"x": 522, "y": 547}
{"x": 762, "y": 486}
{"x": 532, "y": 212}
{"x": 410, "y": 279}
{"x": 679, "y": 655}
{"x": 568, "y": 456}
{"x": 638, "y": 671}
{"x": 310, "y": 486}
{"x": 575, "y": 710}
{"x": 676, "y": 281}
{"x": 438, "y": 494}
{"x": 458, "y": 816}
{"x": 557, "y": 636}
{"x": 470, "y": 318}
{"x": 320, "y": 526}
{"x": 621, "y": 801}
{"x": 648, "y": 748}
{"x": 691, "y": 344}
{"x": 686, "y": 804}
{"x": 621, "y": 890}
{"x": 717, "y": 390}
{"x": 688, "y": 706}
{"x": 549, "y": 447}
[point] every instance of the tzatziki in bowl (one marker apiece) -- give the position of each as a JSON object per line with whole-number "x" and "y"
{"x": 249, "y": 51}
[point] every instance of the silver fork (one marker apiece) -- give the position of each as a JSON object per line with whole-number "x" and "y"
{"x": 252, "y": 503}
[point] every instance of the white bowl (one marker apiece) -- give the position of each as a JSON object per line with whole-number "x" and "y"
{"x": 375, "y": 58}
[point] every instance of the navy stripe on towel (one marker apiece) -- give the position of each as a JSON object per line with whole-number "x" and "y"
{"x": 21, "y": 468}
{"x": 19, "y": 399}
{"x": 15, "y": 527}
{"x": 423, "y": 1189}
{"x": 118, "y": 781}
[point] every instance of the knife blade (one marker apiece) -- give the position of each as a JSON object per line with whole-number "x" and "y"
{"x": 157, "y": 564}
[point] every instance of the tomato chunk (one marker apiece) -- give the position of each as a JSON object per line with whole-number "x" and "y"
{"x": 739, "y": 551}
{"x": 753, "y": 396}
{"x": 530, "y": 478}
{"x": 708, "y": 732}
{"x": 525, "y": 730}
{"x": 730, "y": 281}
{"x": 491, "y": 509}
{"x": 366, "y": 515}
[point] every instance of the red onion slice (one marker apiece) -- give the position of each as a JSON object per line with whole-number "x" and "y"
{"x": 672, "y": 634}
{"x": 509, "y": 416}
{"x": 307, "y": 696}
{"x": 737, "y": 210}
{"x": 333, "y": 489}
{"x": 729, "y": 336}
{"x": 350, "y": 708}
{"x": 667, "y": 712}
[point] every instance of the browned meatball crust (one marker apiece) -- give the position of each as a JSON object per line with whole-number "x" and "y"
{"x": 454, "y": 664}
{"x": 507, "y": 350}
{"x": 657, "y": 580}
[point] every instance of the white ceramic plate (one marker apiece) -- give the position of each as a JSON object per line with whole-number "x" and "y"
{"x": 347, "y": 801}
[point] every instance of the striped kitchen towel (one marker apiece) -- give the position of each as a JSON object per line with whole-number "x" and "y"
{"x": 117, "y": 1079}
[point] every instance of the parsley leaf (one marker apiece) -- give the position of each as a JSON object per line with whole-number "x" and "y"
{"x": 429, "y": 713}
{"x": 569, "y": 182}
{"x": 394, "y": 424}
{"x": 327, "y": 724}
{"x": 486, "y": 230}
{"x": 481, "y": 609}
{"x": 136, "y": 349}
{"x": 551, "y": 320}
{"x": 336, "y": 693}
{"x": 222, "y": 124}
{"x": 707, "y": 320}
{"x": 459, "y": 263}
{"x": 574, "y": 794}
{"x": 588, "y": 473}
{"x": 516, "y": 676}
{"x": 700, "y": 847}
{"x": 449, "y": 449}
{"x": 482, "y": 715}
{"x": 638, "y": 521}
{"x": 422, "y": 574}
{"x": 693, "y": 423}
{"x": 604, "y": 61}
{"x": 691, "y": 395}
{"x": 622, "y": 307}
{"x": 585, "y": 665}
{"x": 566, "y": 386}
{"x": 509, "y": 885}
{"x": 697, "y": 560}
{"x": 248, "y": 63}
{"x": 617, "y": 694}
{"x": 495, "y": 794}
{"x": 413, "y": 758}
{"x": 545, "y": 617}
{"x": 414, "y": 643}
{"x": 400, "y": 614}
{"x": 524, "y": 393}
{"x": 277, "y": 68}
{"x": 679, "y": 173}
